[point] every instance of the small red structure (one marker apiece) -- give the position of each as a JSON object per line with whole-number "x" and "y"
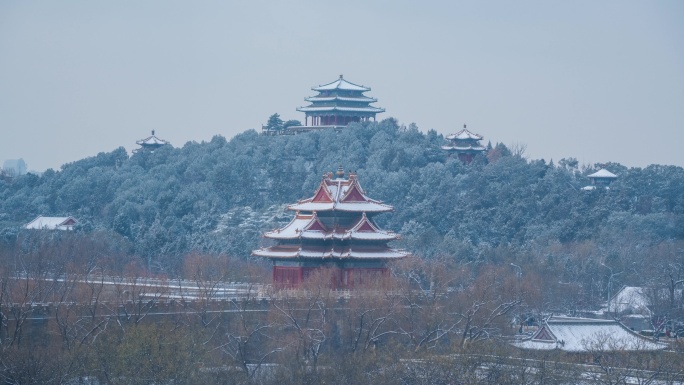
{"x": 333, "y": 230}
{"x": 338, "y": 103}
{"x": 465, "y": 144}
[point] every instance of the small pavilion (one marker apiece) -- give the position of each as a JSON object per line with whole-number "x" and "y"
{"x": 601, "y": 178}
{"x": 150, "y": 143}
{"x": 464, "y": 144}
{"x": 337, "y": 104}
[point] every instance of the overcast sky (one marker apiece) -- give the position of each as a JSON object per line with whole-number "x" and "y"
{"x": 597, "y": 80}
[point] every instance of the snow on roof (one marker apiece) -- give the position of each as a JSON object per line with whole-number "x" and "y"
{"x": 631, "y": 298}
{"x": 338, "y": 194}
{"x": 585, "y": 335}
{"x": 463, "y": 148}
{"x": 388, "y": 254}
{"x": 341, "y": 109}
{"x": 302, "y": 227}
{"x": 635, "y": 299}
{"x": 151, "y": 140}
{"x": 463, "y": 135}
{"x": 603, "y": 173}
{"x": 360, "y": 99}
{"x": 293, "y": 229}
{"x": 337, "y": 189}
{"x": 51, "y": 223}
{"x": 318, "y": 253}
{"x": 341, "y": 84}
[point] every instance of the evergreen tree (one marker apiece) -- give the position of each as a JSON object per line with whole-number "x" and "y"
{"x": 274, "y": 123}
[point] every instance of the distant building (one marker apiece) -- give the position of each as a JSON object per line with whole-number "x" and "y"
{"x": 586, "y": 335}
{"x": 14, "y": 167}
{"x": 150, "y": 143}
{"x": 337, "y": 104}
{"x": 465, "y": 145}
{"x": 332, "y": 230}
{"x": 51, "y": 223}
{"x": 601, "y": 178}
{"x": 643, "y": 308}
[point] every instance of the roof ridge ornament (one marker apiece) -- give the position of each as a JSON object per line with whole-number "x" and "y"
{"x": 340, "y": 172}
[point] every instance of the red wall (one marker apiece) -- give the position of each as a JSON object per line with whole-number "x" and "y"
{"x": 291, "y": 277}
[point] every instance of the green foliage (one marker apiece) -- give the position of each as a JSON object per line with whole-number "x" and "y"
{"x": 291, "y": 123}
{"x": 274, "y": 123}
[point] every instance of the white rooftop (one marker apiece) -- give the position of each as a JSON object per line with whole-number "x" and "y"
{"x": 463, "y": 148}
{"x": 603, "y": 173}
{"x": 337, "y": 190}
{"x": 585, "y": 335}
{"x": 464, "y": 134}
{"x": 152, "y": 140}
{"x": 308, "y": 226}
{"x": 341, "y": 84}
{"x": 636, "y": 299}
{"x": 51, "y": 223}
{"x": 360, "y": 99}
{"x": 347, "y": 253}
{"x": 341, "y": 109}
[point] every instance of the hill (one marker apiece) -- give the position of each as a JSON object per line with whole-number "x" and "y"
{"x": 218, "y": 196}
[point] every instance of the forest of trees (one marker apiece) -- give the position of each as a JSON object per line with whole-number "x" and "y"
{"x": 516, "y": 234}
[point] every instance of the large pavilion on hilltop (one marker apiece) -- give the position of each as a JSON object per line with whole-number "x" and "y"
{"x": 333, "y": 229}
{"x": 150, "y": 143}
{"x": 337, "y": 104}
{"x": 465, "y": 145}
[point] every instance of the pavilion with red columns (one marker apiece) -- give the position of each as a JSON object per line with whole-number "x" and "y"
{"x": 337, "y": 104}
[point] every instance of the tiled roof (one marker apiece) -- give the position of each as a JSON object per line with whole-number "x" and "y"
{"x": 341, "y": 109}
{"x": 586, "y": 335}
{"x": 603, "y": 173}
{"x": 151, "y": 140}
{"x": 51, "y": 223}
{"x": 337, "y": 189}
{"x": 309, "y": 227}
{"x": 341, "y": 84}
{"x": 336, "y": 222}
{"x": 463, "y": 135}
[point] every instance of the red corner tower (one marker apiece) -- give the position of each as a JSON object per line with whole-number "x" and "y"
{"x": 332, "y": 229}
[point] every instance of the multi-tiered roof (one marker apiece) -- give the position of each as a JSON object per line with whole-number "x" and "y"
{"x": 465, "y": 144}
{"x": 151, "y": 143}
{"x": 335, "y": 223}
{"x": 339, "y": 103}
{"x": 333, "y": 228}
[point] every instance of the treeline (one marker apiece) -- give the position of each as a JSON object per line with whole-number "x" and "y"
{"x": 218, "y": 196}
